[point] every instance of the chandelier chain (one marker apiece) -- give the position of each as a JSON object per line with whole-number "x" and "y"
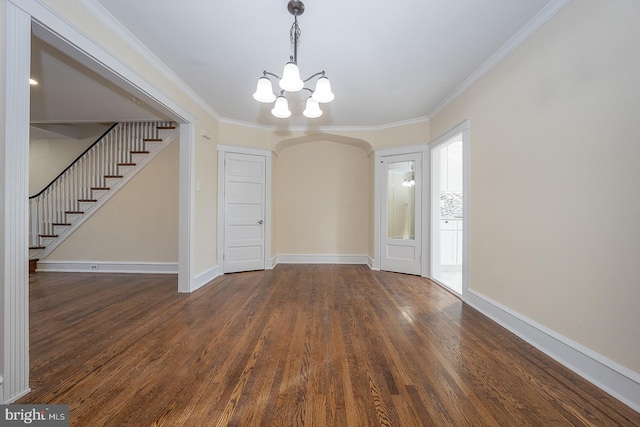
{"x": 295, "y": 32}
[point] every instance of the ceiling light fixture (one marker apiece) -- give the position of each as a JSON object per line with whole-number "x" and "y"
{"x": 291, "y": 81}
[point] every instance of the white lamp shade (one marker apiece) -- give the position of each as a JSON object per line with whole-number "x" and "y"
{"x": 312, "y": 109}
{"x": 281, "y": 108}
{"x": 264, "y": 91}
{"x": 323, "y": 90}
{"x": 291, "y": 81}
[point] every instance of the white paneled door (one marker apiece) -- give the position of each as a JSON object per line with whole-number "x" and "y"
{"x": 401, "y": 223}
{"x": 244, "y": 228}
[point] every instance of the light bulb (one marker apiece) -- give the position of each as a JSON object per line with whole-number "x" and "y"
{"x": 281, "y": 108}
{"x": 264, "y": 91}
{"x": 312, "y": 109}
{"x": 323, "y": 90}
{"x": 291, "y": 81}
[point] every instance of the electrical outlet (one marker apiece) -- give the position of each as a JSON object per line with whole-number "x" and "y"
{"x": 94, "y": 267}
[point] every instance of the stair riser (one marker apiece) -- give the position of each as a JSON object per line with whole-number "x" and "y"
{"x": 112, "y": 182}
{"x": 138, "y": 158}
{"x": 98, "y": 194}
{"x": 124, "y": 170}
{"x": 72, "y": 218}
{"x": 86, "y": 206}
{"x": 60, "y": 229}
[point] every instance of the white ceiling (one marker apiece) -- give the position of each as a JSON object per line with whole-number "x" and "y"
{"x": 68, "y": 92}
{"x": 388, "y": 61}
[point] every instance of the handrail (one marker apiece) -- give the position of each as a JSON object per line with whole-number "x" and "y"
{"x": 75, "y": 161}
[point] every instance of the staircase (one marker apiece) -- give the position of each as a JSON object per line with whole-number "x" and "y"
{"x": 92, "y": 179}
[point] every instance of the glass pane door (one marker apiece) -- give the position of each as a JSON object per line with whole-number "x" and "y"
{"x": 401, "y": 187}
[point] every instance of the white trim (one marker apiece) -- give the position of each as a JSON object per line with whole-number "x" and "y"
{"x": 370, "y": 262}
{"x": 244, "y": 150}
{"x": 548, "y": 12}
{"x": 116, "y": 27}
{"x": 205, "y": 277}
{"x": 461, "y": 128}
{"x": 57, "y": 31}
{"x": 108, "y": 267}
{"x": 186, "y": 208}
{"x": 327, "y": 129}
{"x": 222, "y": 150}
{"x": 14, "y": 215}
{"x": 405, "y": 149}
{"x": 613, "y": 378}
{"x": 321, "y": 259}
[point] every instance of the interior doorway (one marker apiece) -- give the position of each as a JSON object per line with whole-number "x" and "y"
{"x": 449, "y": 222}
{"x": 447, "y": 213}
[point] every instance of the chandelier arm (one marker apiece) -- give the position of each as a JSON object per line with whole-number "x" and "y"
{"x": 306, "y": 88}
{"x": 264, "y": 73}
{"x": 321, "y": 73}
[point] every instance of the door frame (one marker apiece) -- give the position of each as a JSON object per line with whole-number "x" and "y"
{"x": 222, "y": 151}
{"x": 379, "y": 179}
{"x": 462, "y": 128}
{"x": 18, "y": 17}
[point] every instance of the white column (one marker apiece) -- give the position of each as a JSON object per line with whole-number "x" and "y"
{"x": 186, "y": 210}
{"x": 14, "y": 215}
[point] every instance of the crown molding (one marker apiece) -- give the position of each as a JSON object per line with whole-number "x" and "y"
{"x": 390, "y": 125}
{"x": 548, "y": 12}
{"x": 121, "y": 31}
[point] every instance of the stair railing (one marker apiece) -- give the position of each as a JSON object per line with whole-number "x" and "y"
{"x": 51, "y": 205}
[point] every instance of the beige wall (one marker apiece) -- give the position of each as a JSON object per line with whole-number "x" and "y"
{"x": 206, "y": 203}
{"x": 555, "y": 175}
{"x": 138, "y": 224}
{"x": 386, "y": 137}
{"x": 49, "y": 157}
{"x": 322, "y": 200}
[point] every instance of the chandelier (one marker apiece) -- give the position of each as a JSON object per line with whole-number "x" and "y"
{"x": 291, "y": 81}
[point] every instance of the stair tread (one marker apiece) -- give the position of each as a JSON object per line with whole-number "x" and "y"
{"x": 152, "y": 140}
{"x": 127, "y": 164}
{"x": 100, "y": 188}
{"x": 36, "y": 247}
{"x": 87, "y": 200}
{"x": 74, "y": 212}
{"x": 60, "y": 223}
{"x": 113, "y": 176}
{"x": 165, "y": 127}
{"x": 48, "y": 235}
{"x": 139, "y": 152}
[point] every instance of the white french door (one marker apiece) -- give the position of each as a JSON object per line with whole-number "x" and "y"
{"x": 244, "y": 212}
{"x": 401, "y": 213}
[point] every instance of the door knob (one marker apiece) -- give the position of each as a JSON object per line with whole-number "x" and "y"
{"x": 260, "y": 222}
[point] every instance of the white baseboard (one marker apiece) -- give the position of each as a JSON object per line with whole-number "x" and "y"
{"x": 205, "y": 277}
{"x": 321, "y": 259}
{"x": 620, "y": 382}
{"x": 370, "y": 263}
{"x": 108, "y": 267}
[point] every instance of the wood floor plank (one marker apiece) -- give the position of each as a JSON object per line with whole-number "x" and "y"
{"x": 321, "y": 345}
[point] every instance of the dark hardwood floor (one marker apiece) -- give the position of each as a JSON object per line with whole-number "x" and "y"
{"x": 298, "y": 345}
